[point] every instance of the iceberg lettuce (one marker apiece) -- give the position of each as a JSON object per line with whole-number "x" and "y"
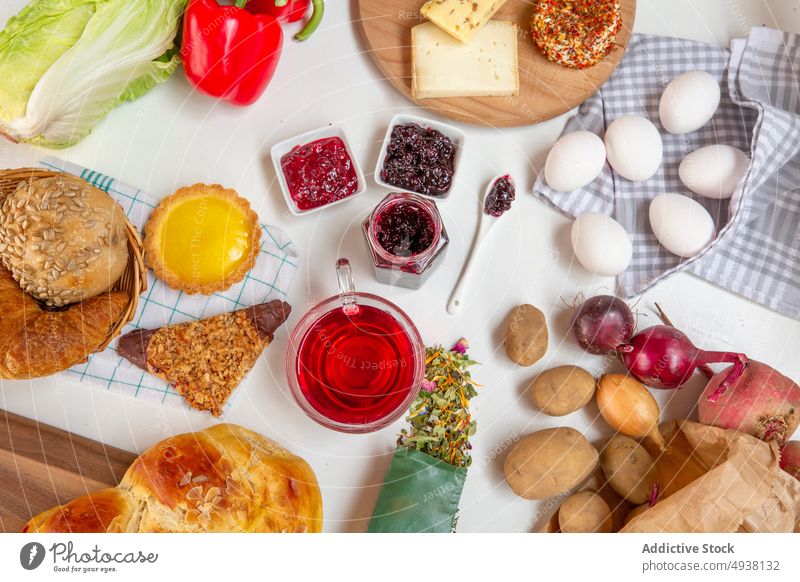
{"x": 64, "y": 64}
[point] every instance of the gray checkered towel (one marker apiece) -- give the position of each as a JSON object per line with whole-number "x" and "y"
{"x": 756, "y": 250}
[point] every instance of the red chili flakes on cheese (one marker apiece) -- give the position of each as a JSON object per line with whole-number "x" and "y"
{"x": 576, "y": 33}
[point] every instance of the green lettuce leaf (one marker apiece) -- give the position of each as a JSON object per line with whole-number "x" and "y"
{"x": 32, "y": 41}
{"x": 66, "y": 63}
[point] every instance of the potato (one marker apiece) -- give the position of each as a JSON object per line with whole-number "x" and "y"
{"x": 638, "y": 510}
{"x": 628, "y": 467}
{"x": 549, "y": 462}
{"x": 526, "y": 335}
{"x": 584, "y": 512}
{"x": 562, "y": 390}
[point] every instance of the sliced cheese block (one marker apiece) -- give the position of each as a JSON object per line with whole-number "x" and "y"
{"x": 445, "y": 67}
{"x": 461, "y": 18}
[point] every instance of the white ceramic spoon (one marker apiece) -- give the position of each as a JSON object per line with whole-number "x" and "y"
{"x": 485, "y": 224}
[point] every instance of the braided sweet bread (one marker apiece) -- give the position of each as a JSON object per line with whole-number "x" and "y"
{"x": 222, "y": 479}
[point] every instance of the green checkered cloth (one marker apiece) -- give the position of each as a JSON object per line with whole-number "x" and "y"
{"x": 160, "y": 305}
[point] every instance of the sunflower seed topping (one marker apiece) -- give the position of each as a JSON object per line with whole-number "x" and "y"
{"x": 51, "y": 234}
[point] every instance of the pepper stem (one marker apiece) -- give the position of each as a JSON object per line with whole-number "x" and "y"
{"x": 313, "y": 21}
{"x": 240, "y": 3}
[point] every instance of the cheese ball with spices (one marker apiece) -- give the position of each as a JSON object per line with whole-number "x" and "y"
{"x": 575, "y": 33}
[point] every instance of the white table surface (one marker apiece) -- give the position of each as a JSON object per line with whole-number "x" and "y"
{"x": 173, "y": 137}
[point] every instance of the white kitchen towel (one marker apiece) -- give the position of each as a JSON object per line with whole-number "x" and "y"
{"x": 757, "y": 249}
{"x": 159, "y": 305}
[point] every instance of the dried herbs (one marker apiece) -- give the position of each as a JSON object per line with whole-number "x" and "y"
{"x": 422, "y": 488}
{"x": 440, "y": 420}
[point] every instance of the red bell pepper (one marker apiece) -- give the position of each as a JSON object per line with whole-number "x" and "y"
{"x": 291, "y": 11}
{"x": 229, "y": 52}
{"x": 283, "y": 10}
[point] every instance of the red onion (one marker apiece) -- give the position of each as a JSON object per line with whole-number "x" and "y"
{"x": 663, "y": 357}
{"x": 654, "y": 493}
{"x": 762, "y": 402}
{"x": 603, "y": 323}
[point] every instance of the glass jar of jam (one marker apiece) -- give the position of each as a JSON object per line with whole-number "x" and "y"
{"x": 406, "y": 239}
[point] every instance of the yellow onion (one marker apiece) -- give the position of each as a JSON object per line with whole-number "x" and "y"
{"x": 629, "y": 407}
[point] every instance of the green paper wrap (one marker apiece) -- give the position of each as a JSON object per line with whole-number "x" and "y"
{"x": 419, "y": 494}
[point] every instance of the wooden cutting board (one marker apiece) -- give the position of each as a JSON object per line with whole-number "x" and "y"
{"x": 546, "y": 89}
{"x": 42, "y": 466}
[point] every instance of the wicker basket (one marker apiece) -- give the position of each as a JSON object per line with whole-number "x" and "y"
{"x": 133, "y": 280}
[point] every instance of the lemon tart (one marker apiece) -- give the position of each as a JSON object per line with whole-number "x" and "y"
{"x": 203, "y": 238}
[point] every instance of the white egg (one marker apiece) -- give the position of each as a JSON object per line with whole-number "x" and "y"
{"x": 713, "y": 171}
{"x": 600, "y": 244}
{"x": 681, "y": 224}
{"x": 633, "y": 147}
{"x": 689, "y": 102}
{"x": 575, "y": 160}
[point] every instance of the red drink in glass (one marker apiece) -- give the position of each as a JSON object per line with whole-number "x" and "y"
{"x": 355, "y": 361}
{"x": 356, "y": 369}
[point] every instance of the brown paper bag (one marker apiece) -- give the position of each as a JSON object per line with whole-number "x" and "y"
{"x": 715, "y": 480}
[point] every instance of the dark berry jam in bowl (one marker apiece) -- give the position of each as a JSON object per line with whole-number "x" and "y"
{"x": 419, "y": 156}
{"x": 317, "y": 169}
{"x": 355, "y": 362}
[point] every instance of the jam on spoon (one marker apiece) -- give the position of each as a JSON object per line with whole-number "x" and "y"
{"x": 497, "y": 199}
{"x": 500, "y": 196}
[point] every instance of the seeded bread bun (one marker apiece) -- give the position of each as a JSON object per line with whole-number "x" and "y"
{"x": 62, "y": 239}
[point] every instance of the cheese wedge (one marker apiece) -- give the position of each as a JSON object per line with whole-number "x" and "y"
{"x": 461, "y": 18}
{"x": 445, "y": 67}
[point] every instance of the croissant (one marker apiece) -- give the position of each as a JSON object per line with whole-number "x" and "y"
{"x": 222, "y": 479}
{"x": 35, "y": 342}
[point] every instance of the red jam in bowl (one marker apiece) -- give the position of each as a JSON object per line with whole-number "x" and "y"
{"x": 319, "y": 173}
